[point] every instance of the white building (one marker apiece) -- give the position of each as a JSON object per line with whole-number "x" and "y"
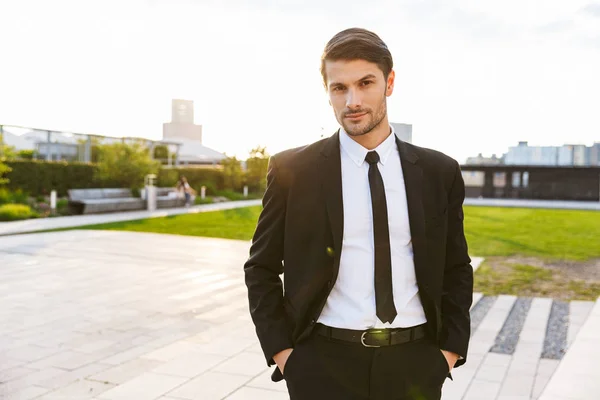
{"x": 403, "y": 131}
{"x": 566, "y": 155}
{"x": 184, "y": 131}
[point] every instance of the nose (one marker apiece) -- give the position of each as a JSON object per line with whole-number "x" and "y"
{"x": 353, "y": 99}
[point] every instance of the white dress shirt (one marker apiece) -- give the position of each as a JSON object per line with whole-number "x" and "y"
{"x": 351, "y": 303}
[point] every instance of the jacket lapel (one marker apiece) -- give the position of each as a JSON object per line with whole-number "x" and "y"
{"x": 330, "y": 171}
{"x": 413, "y": 181}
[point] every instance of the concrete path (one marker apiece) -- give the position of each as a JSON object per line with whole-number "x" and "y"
{"x": 578, "y": 375}
{"x": 551, "y": 204}
{"x": 122, "y": 315}
{"x": 45, "y": 224}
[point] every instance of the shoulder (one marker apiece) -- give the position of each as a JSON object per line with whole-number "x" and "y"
{"x": 299, "y": 155}
{"x": 291, "y": 164}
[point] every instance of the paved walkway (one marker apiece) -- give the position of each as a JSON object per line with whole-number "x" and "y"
{"x": 113, "y": 315}
{"x": 45, "y": 224}
{"x": 551, "y": 204}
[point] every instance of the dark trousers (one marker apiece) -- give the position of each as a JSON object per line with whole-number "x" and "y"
{"x": 328, "y": 369}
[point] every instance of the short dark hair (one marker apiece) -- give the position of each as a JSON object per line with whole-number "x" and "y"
{"x": 357, "y": 44}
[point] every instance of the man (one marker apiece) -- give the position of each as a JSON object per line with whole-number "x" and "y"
{"x": 369, "y": 232}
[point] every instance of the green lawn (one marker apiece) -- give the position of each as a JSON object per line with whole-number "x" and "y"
{"x": 490, "y": 231}
{"x": 238, "y": 223}
{"x": 548, "y": 234}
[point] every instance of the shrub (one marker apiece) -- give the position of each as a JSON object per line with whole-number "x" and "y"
{"x": 16, "y": 197}
{"x": 26, "y": 154}
{"x": 13, "y": 212}
{"x": 208, "y": 200}
{"x": 38, "y": 178}
{"x": 212, "y": 178}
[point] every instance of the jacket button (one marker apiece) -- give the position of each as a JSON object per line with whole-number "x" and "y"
{"x": 313, "y": 322}
{"x": 329, "y": 284}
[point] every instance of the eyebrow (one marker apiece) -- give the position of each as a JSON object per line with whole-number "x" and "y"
{"x": 369, "y": 76}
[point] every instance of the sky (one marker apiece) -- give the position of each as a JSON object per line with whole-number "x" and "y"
{"x": 471, "y": 76}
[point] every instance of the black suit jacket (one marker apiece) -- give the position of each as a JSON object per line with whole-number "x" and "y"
{"x": 300, "y": 231}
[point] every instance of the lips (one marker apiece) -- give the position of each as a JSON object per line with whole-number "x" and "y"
{"x": 355, "y": 116}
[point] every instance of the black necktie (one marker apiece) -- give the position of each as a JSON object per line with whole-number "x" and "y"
{"x": 384, "y": 295}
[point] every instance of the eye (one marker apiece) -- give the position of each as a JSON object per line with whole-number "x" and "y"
{"x": 337, "y": 88}
{"x": 365, "y": 83}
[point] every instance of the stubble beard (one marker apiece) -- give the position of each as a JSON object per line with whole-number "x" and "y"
{"x": 356, "y": 130}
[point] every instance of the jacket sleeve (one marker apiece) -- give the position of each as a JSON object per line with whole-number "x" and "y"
{"x": 262, "y": 270}
{"x": 457, "y": 293}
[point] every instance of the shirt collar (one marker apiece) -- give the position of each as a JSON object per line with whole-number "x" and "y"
{"x": 357, "y": 152}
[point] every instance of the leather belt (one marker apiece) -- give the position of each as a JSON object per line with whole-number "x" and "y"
{"x": 373, "y": 337}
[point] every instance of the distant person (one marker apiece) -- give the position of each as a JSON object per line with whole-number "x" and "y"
{"x": 184, "y": 187}
{"x": 369, "y": 232}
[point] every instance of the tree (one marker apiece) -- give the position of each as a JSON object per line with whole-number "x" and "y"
{"x": 161, "y": 153}
{"x": 232, "y": 173}
{"x": 4, "y": 169}
{"x": 256, "y": 169}
{"x": 124, "y": 164}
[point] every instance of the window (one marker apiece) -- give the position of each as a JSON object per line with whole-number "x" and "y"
{"x": 516, "y": 179}
{"x": 525, "y": 179}
{"x": 499, "y": 179}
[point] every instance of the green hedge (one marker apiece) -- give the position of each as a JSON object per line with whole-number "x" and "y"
{"x": 40, "y": 177}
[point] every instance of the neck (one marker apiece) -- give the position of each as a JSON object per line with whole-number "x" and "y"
{"x": 375, "y": 137}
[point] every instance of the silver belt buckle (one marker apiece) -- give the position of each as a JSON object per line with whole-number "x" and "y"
{"x": 362, "y": 336}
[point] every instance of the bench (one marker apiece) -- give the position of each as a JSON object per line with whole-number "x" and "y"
{"x": 94, "y": 201}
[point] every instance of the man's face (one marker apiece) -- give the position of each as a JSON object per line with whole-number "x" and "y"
{"x": 357, "y": 92}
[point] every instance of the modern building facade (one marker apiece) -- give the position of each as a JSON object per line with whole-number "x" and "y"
{"x": 566, "y": 155}
{"x": 184, "y": 131}
{"x": 403, "y": 131}
{"x": 481, "y": 160}
{"x": 532, "y": 182}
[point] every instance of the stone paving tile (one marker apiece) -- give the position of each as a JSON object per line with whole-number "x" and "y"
{"x": 578, "y": 376}
{"x": 29, "y": 353}
{"x": 482, "y": 390}
{"x": 8, "y": 363}
{"x": 30, "y": 380}
{"x": 14, "y": 373}
{"x": 193, "y": 337}
{"x": 81, "y": 389}
{"x": 209, "y": 386}
{"x": 23, "y": 394}
{"x": 520, "y": 377}
{"x": 546, "y": 369}
{"x": 244, "y": 363}
{"x": 147, "y": 386}
{"x": 71, "y": 376}
{"x": 247, "y": 393}
{"x": 263, "y": 381}
{"x": 126, "y": 371}
{"x": 191, "y": 364}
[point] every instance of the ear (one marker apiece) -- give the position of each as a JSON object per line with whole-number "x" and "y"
{"x": 389, "y": 88}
